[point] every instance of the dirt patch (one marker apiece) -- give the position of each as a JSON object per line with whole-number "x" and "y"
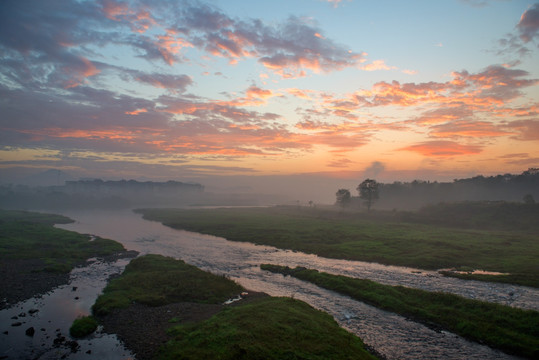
{"x": 143, "y": 328}
{"x": 21, "y": 279}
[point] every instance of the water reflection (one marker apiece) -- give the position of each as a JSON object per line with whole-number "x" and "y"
{"x": 51, "y": 316}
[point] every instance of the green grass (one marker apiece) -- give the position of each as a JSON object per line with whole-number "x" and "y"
{"x": 156, "y": 280}
{"x": 270, "y": 328}
{"x": 367, "y": 237}
{"x": 83, "y": 326}
{"x": 28, "y": 235}
{"x": 509, "y": 329}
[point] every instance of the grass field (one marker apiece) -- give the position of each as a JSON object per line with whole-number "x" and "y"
{"x": 379, "y": 237}
{"x": 509, "y": 329}
{"x": 29, "y": 235}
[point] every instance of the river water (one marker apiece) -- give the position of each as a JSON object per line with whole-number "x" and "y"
{"x": 390, "y": 335}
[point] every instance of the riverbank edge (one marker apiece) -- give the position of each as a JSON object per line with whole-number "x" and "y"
{"x": 207, "y": 222}
{"x": 24, "y": 279}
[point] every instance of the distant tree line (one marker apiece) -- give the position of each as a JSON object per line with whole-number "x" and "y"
{"x": 413, "y": 195}
{"x": 99, "y": 194}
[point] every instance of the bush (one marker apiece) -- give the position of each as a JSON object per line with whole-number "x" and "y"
{"x": 83, "y": 326}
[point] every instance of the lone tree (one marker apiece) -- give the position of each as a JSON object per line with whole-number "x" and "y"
{"x": 528, "y": 199}
{"x": 343, "y": 197}
{"x": 368, "y": 192}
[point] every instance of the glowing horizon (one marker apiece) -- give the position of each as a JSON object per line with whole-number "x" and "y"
{"x": 200, "y": 89}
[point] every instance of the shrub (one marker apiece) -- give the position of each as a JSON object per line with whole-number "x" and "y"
{"x": 83, "y": 326}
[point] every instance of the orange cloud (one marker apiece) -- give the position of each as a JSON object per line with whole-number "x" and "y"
{"x": 494, "y": 86}
{"x": 443, "y": 149}
{"x": 117, "y": 134}
{"x": 78, "y": 72}
{"x": 136, "y": 112}
{"x": 173, "y": 44}
{"x": 468, "y": 129}
{"x": 255, "y": 96}
{"x": 377, "y": 65}
{"x": 140, "y": 20}
{"x": 302, "y": 94}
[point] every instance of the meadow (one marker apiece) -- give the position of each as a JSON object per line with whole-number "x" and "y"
{"x": 393, "y": 238}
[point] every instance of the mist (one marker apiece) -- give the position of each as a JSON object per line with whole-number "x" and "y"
{"x": 52, "y": 189}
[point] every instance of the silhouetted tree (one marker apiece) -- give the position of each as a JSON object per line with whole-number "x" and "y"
{"x": 369, "y": 192}
{"x": 528, "y": 199}
{"x": 343, "y": 197}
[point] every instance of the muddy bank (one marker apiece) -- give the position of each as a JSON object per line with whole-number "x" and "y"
{"x": 143, "y": 328}
{"x": 22, "y": 279}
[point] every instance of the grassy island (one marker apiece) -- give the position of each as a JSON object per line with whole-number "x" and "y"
{"x": 156, "y": 280}
{"x": 509, "y": 329}
{"x": 258, "y": 327}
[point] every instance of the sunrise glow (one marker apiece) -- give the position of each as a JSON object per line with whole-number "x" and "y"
{"x": 215, "y": 88}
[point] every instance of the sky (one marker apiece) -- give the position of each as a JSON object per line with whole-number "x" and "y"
{"x": 218, "y": 91}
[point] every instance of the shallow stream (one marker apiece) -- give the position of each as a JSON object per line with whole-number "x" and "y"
{"x": 390, "y": 335}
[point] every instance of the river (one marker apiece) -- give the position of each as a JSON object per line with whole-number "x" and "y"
{"x": 390, "y": 335}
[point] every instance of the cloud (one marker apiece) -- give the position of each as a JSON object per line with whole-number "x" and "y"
{"x": 410, "y": 72}
{"x": 374, "y": 169}
{"x": 340, "y": 163}
{"x": 443, "y": 115}
{"x": 527, "y": 130}
{"x": 290, "y": 48}
{"x": 528, "y": 25}
{"x": 442, "y": 149}
{"x": 335, "y": 3}
{"x": 464, "y": 128}
{"x": 377, "y": 65}
{"x": 466, "y": 97}
{"x": 176, "y": 83}
{"x": 254, "y": 96}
